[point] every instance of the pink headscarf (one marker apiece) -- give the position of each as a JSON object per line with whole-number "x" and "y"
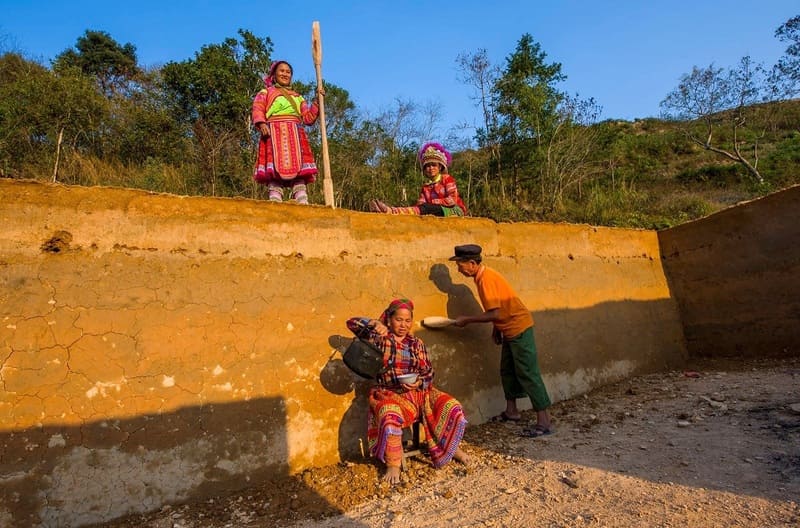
{"x": 395, "y": 305}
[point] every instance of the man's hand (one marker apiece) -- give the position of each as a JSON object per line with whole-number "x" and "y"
{"x": 497, "y": 336}
{"x": 461, "y": 321}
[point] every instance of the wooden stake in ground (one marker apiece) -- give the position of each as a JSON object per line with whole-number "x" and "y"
{"x": 58, "y": 154}
{"x": 316, "y": 52}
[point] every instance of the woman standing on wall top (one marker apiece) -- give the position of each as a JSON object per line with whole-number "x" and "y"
{"x": 284, "y": 154}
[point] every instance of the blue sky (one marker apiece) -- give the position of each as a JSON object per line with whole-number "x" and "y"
{"x": 627, "y": 55}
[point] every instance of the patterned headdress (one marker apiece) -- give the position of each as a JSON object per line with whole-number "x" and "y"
{"x": 434, "y": 153}
{"x": 395, "y": 305}
{"x": 269, "y": 80}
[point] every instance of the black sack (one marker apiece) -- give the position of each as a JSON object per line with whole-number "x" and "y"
{"x": 364, "y": 359}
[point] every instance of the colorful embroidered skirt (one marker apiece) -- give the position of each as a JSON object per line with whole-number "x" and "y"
{"x": 286, "y": 154}
{"x": 443, "y": 421}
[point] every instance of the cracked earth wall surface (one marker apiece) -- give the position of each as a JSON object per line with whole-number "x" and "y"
{"x": 157, "y": 348}
{"x": 736, "y": 277}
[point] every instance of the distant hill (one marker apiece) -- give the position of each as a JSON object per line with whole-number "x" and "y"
{"x": 656, "y": 177}
{"x": 649, "y": 175}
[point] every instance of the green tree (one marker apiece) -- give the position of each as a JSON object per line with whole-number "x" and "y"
{"x": 526, "y": 101}
{"x": 348, "y": 153}
{"x": 21, "y": 83}
{"x": 545, "y": 135}
{"x": 786, "y": 73}
{"x": 145, "y": 129}
{"x": 218, "y": 85}
{"x": 98, "y": 55}
{"x": 355, "y": 164}
{"x": 213, "y": 94}
{"x": 568, "y": 152}
{"x": 42, "y": 111}
{"x": 142, "y": 130}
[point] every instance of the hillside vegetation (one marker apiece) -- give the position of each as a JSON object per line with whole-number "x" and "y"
{"x": 97, "y": 117}
{"x": 650, "y": 175}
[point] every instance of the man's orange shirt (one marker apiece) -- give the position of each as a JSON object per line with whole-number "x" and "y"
{"x": 496, "y": 292}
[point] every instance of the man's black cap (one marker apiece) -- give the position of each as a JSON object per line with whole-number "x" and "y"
{"x": 467, "y": 252}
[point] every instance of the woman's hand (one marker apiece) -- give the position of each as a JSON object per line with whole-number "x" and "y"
{"x": 264, "y": 129}
{"x": 378, "y": 326}
{"x": 320, "y": 91}
{"x": 412, "y": 386}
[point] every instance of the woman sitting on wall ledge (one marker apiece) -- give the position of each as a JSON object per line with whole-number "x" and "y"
{"x": 439, "y": 194}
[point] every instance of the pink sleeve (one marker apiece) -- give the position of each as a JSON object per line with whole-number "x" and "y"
{"x": 259, "y": 113}
{"x": 310, "y": 112}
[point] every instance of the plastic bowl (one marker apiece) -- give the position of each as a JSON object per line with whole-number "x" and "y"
{"x": 407, "y": 378}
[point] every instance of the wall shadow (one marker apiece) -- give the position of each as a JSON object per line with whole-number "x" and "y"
{"x": 460, "y": 299}
{"x": 452, "y": 347}
{"x": 62, "y": 475}
{"x": 578, "y": 349}
{"x": 338, "y": 379}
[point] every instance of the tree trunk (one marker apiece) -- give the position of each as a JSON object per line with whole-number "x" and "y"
{"x": 737, "y": 157}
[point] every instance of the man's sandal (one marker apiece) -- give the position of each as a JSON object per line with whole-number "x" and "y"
{"x": 536, "y": 432}
{"x": 503, "y": 417}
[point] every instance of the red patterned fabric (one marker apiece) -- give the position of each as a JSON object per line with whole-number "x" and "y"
{"x": 391, "y": 407}
{"x": 295, "y": 158}
{"x": 443, "y": 421}
{"x": 443, "y": 192}
{"x": 286, "y": 154}
{"x": 394, "y": 451}
{"x": 405, "y": 357}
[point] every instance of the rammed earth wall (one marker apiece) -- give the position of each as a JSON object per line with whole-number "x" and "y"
{"x": 736, "y": 277}
{"x": 158, "y": 348}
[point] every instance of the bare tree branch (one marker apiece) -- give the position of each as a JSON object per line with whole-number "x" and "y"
{"x": 715, "y": 97}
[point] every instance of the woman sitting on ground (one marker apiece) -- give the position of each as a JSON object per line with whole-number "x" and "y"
{"x": 394, "y": 405}
{"x": 439, "y": 194}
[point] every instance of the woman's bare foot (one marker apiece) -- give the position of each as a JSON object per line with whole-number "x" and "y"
{"x": 461, "y": 456}
{"x": 392, "y": 475}
{"x": 382, "y": 207}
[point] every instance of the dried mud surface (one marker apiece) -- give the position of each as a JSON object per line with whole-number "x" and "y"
{"x": 714, "y": 446}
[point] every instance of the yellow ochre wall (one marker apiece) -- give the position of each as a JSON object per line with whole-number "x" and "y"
{"x": 157, "y": 348}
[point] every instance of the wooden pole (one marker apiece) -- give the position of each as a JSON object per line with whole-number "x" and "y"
{"x": 58, "y": 154}
{"x": 316, "y": 53}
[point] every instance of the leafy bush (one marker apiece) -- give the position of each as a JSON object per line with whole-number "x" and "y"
{"x": 782, "y": 165}
{"x": 689, "y": 207}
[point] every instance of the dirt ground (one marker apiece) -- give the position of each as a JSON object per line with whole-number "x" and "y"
{"x": 714, "y": 446}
